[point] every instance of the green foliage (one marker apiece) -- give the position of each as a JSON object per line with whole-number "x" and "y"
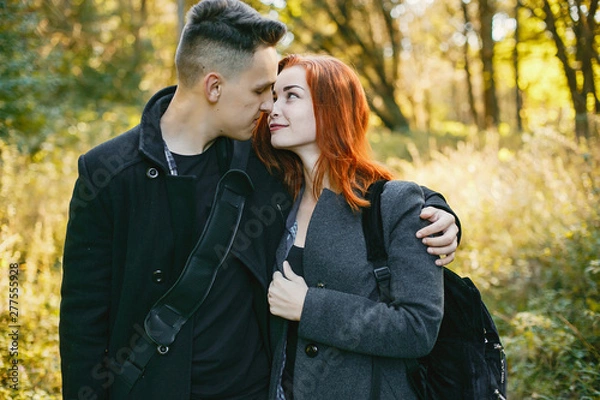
{"x": 61, "y": 61}
{"x": 549, "y": 360}
{"x": 98, "y": 48}
{"x": 23, "y": 87}
{"x": 556, "y": 343}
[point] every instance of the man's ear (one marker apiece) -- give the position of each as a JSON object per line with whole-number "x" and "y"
{"x": 212, "y": 86}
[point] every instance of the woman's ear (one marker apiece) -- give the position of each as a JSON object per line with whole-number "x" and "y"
{"x": 212, "y": 87}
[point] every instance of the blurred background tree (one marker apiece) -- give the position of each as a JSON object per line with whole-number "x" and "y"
{"x": 24, "y": 97}
{"x": 67, "y": 62}
{"x": 492, "y": 102}
{"x": 367, "y": 35}
{"x": 573, "y": 27}
{"x": 437, "y": 66}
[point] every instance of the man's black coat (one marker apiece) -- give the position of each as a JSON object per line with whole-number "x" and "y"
{"x": 121, "y": 255}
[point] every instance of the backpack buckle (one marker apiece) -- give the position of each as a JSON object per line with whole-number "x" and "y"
{"x": 382, "y": 273}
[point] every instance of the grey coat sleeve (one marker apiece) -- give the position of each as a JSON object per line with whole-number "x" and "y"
{"x": 408, "y": 327}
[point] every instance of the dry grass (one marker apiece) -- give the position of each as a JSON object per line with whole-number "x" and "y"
{"x": 525, "y": 213}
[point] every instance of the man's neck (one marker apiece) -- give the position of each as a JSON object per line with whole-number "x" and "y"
{"x": 185, "y": 127}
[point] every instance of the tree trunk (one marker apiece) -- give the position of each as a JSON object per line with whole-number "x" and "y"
{"x": 491, "y": 111}
{"x": 585, "y": 47}
{"x": 387, "y": 109}
{"x": 578, "y": 98}
{"x": 366, "y": 37}
{"x": 518, "y": 94}
{"x": 138, "y": 23}
{"x": 467, "y": 61}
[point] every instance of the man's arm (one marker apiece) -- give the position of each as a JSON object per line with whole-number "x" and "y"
{"x": 85, "y": 292}
{"x": 442, "y": 236}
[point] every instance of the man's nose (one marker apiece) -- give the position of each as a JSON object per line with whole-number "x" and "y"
{"x": 267, "y": 104}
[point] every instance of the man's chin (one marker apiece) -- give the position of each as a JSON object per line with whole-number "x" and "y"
{"x": 242, "y": 136}
{"x": 247, "y": 136}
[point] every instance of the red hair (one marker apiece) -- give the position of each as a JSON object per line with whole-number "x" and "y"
{"x": 342, "y": 118}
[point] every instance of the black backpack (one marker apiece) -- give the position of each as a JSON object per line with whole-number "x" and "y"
{"x": 468, "y": 360}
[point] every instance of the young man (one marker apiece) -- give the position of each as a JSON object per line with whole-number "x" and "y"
{"x": 139, "y": 206}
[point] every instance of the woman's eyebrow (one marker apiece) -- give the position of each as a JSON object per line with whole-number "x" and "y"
{"x": 289, "y": 87}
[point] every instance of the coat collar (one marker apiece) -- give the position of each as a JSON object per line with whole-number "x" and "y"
{"x": 324, "y": 205}
{"x": 151, "y": 141}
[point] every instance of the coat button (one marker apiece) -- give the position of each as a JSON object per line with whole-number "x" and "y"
{"x": 320, "y": 285}
{"x": 157, "y": 276}
{"x": 311, "y": 350}
{"x": 152, "y": 173}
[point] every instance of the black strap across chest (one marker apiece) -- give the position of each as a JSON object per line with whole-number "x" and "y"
{"x": 178, "y": 304}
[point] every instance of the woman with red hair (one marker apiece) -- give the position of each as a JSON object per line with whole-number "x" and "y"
{"x": 329, "y": 327}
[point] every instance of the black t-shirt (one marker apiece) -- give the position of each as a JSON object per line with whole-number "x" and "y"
{"x": 229, "y": 360}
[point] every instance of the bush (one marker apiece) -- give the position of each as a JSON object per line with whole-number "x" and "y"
{"x": 531, "y": 234}
{"x": 34, "y": 197}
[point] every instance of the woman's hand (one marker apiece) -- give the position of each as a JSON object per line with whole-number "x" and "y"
{"x": 443, "y": 227}
{"x": 287, "y": 294}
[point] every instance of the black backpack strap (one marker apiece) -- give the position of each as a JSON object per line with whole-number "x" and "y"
{"x": 241, "y": 152}
{"x": 177, "y": 305}
{"x": 232, "y": 159}
{"x": 377, "y": 254}
{"x": 171, "y": 311}
{"x": 372, "y": 223}
{"x": 373, "y": 231}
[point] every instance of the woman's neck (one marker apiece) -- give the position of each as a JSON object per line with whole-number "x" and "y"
{"x": 310, "y": 175}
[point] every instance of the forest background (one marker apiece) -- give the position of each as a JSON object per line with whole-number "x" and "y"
{"x": 494, "y": 103}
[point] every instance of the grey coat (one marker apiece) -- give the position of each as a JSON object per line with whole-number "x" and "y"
{"x": 343, "y": 329}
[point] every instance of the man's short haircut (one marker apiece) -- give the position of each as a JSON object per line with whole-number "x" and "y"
{"x": 222, "y": 36}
